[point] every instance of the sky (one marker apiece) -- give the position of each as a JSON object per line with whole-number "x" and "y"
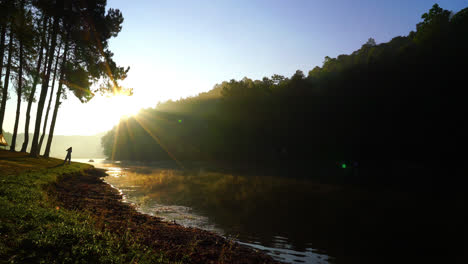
{"x": 179, "y": 48}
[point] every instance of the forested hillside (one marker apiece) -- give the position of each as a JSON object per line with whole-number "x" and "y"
{"x": 397, "y": 101}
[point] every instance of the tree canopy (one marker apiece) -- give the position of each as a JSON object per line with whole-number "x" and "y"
{"x": 73, "y": 35}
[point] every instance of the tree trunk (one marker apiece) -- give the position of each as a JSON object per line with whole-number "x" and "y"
{"x": 33, "y": 90}
{"x": 19, "y": 90}
{"x": 19, "y": 93}
{"x": 7, "y": 82}
{"x": 43, "y": 95}
{"x": 50, "y": 99}
{"x": 2, "y": 47}
{"x": 2, "y": 53}
{"x": 57, "y": 102}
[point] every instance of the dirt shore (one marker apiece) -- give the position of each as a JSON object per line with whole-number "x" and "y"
{"x": 88, "y": 193}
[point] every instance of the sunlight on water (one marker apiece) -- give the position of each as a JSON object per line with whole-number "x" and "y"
{"x": 279, "y": 252}
{"x": 270, "y": 214}
{"x": 182, "y": 215}
{"x": 115, "y": 172}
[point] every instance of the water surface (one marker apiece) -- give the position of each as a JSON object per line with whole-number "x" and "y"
{"x": 281, "y": 216}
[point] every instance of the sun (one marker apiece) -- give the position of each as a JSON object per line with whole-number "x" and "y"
{"x": 99, "y": 115}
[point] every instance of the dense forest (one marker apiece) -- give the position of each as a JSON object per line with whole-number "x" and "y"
{"x": 392, "y": 105}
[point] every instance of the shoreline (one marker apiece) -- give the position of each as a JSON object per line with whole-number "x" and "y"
{"x": 55, "y": 213}
{"x": 362, "y": 225}
{"x": 90, "y": 194}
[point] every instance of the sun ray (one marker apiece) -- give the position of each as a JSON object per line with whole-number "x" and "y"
{"x": 142, "y": 122}
{"x": 77, "y": 87}
{"x": 116, "y": 136}
{"x": 130, "y": 132}
{"x": 147, "y": 115}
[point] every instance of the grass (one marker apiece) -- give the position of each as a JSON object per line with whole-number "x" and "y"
{"x": 34, "y": 229}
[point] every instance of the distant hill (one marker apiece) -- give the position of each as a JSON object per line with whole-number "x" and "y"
{"x": 83, "y": 146}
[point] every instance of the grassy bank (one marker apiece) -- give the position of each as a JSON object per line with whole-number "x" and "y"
{"x": 55, "y": 213}
{"x": 35, "y": 229}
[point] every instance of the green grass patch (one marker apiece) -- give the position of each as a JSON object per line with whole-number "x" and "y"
{"x": 34, "y": 229}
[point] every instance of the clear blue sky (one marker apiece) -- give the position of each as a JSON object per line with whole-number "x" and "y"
{"x": 179, "y": 48}
{"x": 188, "y": 46}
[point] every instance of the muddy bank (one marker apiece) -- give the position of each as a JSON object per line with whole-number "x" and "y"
{"x": 88, "y": 193}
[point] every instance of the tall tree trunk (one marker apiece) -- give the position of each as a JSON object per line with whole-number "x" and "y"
{"x": 57, "y": 102}
{"x": 50, "y": 99}
{"x": 19, "y": 93}
{"x": 2, "y": 53}
{"x": 7, "y": 82}
{"x": 33, "y": 88}
{"x": 19, "y": 90}
{"x": 43, "y": 95}
{"x": 2, "y": 46}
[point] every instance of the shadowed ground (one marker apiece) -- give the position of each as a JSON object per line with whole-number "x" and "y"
{"x": 19, "y": 162}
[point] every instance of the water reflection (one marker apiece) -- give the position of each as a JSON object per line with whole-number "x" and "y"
{"x": 281, "y": 253}
{"x": 277, "y": 215}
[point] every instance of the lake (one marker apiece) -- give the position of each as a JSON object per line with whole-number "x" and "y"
{"x": 272, "y": 214}
{"x": 294, "y": 216}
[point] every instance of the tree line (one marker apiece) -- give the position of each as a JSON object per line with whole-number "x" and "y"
{"x": 401, "y": 100}
{"x": 58, "y": 46}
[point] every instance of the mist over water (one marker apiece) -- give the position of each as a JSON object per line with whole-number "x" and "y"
{"x": 271, "y": 214}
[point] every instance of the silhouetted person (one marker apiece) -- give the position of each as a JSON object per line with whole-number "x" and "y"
{"x": 68, "y": 157}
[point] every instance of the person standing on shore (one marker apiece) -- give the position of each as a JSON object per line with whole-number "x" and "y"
{"x": 68, "y": 157}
